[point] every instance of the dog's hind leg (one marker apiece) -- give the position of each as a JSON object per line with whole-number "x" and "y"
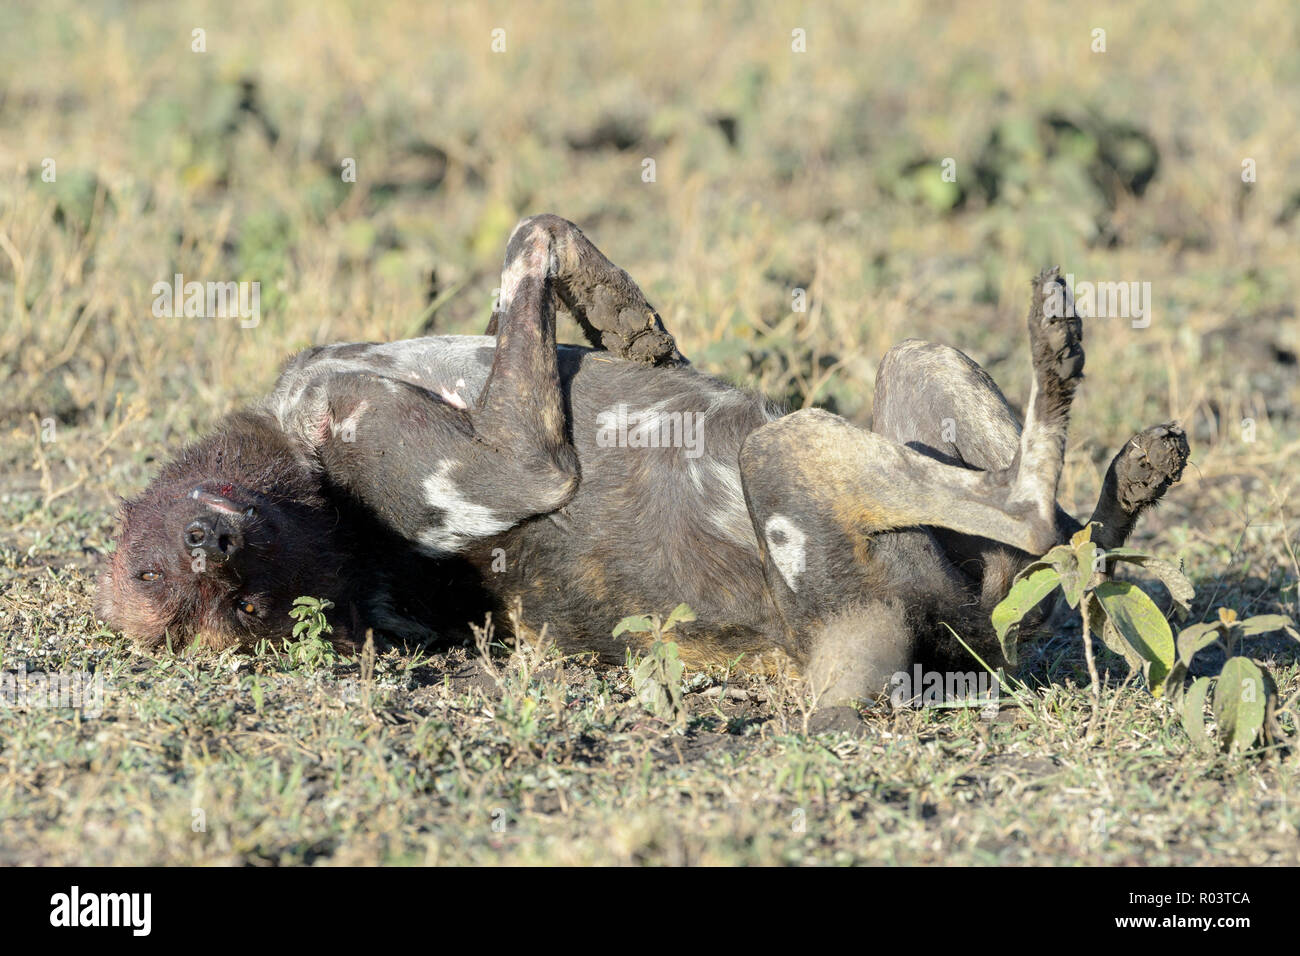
{"x": 938, "y": 401}
{"x": 601, "y": 297}
{"x": 856, "y": 526}
{"x": 854, "y": 572}
{"x": 1138, "y": 477}
{"x": 974, "y": 488}
{"x": 843, "y": 516}
{"x": 1147, "y": 465}
{"x": 873, "y": 484}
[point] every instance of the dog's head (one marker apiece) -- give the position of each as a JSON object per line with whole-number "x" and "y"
{"x": 221, "y": 543}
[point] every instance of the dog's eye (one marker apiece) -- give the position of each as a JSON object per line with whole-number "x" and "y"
{"x": 149, "y": 575}
{"x": 247, "y": 607}
{"x": 250, "y": 511}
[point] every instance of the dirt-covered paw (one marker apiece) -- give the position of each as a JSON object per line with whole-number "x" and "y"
{"x": 1055, "y": 332}
{"x": 648, "y": 346}
{"x": 1149, "y": 463}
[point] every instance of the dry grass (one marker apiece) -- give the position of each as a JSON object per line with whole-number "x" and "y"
{"x": 160, "y": 171}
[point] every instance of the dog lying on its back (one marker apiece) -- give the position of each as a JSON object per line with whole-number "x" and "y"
{"x": 416, "y": 484}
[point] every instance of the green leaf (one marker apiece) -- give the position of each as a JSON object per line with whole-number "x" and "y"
{"x": 1075, "y": 570}
{"x": 682, "y": 613}
{"x": 1061, "y": 554}
{"x": 1191, "y": 640}
{"x": 1025, "y": 595}
{"x": 1138, "y": 620}
{"x": 1101, "y": 625}
{"x": 940, "y": 194}
{"x": 658, "y": 681}
{"x": 1175, "y": 582}
{"x": 1196, "y": 638}
{"x": 1240, "y": 702}
{"x": 636, "y": 624}
{"x": 1193, "y": 713}
{"x": 1265, "y": 624}
{"x": 1032, "y": 568}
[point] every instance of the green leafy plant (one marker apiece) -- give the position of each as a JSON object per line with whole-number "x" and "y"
{"x": 310, "y": 646}
{"x": 1119, "y": 612}
{"x": 528, "y": 699}
{"x": 519, "y": 715}
{"x": 1244, "y": 699}
{"x": 657, "y": 677}
{"x": 1130, "y": 624}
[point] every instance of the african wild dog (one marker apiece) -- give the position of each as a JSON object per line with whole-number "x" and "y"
{"x": 415, "y": 483}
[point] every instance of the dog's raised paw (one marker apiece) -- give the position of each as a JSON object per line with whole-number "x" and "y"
{"x": 1150, "y": 462}
{"x": 1055, "y": 333}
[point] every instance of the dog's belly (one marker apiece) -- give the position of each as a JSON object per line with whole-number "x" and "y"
{"x": 659, "y": 518}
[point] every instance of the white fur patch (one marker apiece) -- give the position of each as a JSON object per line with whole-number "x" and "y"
{"x": 727, "y": 511}
{"x": 348, "y": 427}
{"x": 452, "y": 396}
{"x": 789, "y": 555}
{"x": 538, "y": 260}
{"x": 465, "y": 520}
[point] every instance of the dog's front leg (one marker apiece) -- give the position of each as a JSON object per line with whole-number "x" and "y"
{"x": 601, "y": 297}
{"x": 437, "y": 471}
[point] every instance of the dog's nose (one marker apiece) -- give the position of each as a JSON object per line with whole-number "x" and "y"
{"x": 214, "y": 536}
{"x": 214, "y": 501}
